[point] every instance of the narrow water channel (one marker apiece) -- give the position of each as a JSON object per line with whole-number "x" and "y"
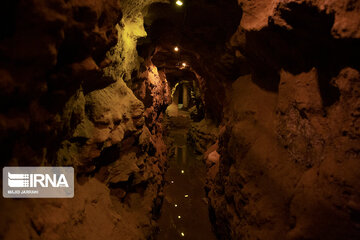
{"x": 184, "y": 214}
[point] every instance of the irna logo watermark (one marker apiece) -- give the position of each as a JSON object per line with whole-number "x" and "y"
{"x": 38, "y": 182}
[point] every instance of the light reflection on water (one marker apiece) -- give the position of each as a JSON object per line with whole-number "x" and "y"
{"x": 184, "y": 214}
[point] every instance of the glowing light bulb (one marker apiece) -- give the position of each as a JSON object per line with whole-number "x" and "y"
{"x": 182, "y": 171}
{"x": 184, "y": 64}
{"x": 182, "y": 234}
{"x": 175, "y": 205}
{"x": 186, "y": 195}
{"x": 179, "y": 217}
{"x": 176, "y": 49}
{"x": 179, "y": 3}
{"x": 172, "y": 181}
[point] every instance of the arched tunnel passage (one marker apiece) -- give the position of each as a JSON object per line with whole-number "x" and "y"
{"x": 184, "y": 212}
{"x": 183, "y": 119}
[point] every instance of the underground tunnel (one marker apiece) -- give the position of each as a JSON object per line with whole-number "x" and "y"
{"x": 180, "y": 119}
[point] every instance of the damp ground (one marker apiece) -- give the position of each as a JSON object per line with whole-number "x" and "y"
{"x": 184, "y": 214}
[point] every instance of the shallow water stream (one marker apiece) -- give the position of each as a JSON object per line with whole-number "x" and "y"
{"x": 184, "y": 214}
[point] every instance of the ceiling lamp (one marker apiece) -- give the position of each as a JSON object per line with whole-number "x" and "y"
{"x": 179, "y": 3}
{"x": 176, "y": 49}
{"x": 183, "y": 64}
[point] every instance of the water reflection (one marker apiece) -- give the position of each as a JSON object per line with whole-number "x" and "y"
{"x": 184, "y": 214}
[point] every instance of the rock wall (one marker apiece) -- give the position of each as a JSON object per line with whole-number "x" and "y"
{"x": 289, "y": 141}
{"x": 68, "y": 71}
{"x": 202, "y": 134}
{"x": 285, "y": 89}
{"x": 200, "y": 29}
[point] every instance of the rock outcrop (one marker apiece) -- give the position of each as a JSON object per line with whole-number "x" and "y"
{"x": 69, "y": 98}
{"x": 289, "y": 159}
{"x": 203, "y": 134}
{"x": 279, "y": 79}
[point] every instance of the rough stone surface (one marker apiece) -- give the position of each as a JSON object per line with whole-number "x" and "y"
{"x": 67, "y": 70}
{"x": 289, "y": 141}
{"x": 258, "y": 14}
{"x": 280, "y": 79}
{"x": 203, "y": 134}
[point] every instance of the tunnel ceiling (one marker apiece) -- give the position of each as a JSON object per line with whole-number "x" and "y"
{"x": 173, "y": 76}
{"x": 199, "y": 28}
{"x": 202, "y": 30}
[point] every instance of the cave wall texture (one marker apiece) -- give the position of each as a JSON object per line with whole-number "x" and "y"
{"x": 68, "y": 99}
{"x": 289, "y": 140}
{"x": 280, "y": 79}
